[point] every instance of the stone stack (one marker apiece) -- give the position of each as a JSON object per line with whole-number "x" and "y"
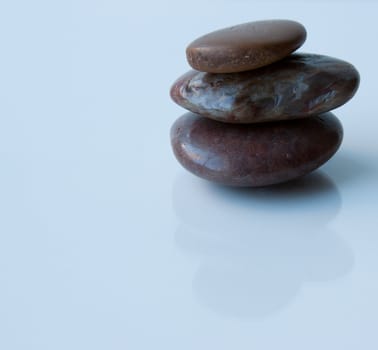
{"x": 259, "y": 114}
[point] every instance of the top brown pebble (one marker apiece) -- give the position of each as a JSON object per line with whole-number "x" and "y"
{"x": 246, "y": 46}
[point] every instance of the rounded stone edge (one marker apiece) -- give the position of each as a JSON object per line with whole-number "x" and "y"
{"x": 190, "y": 166}
{"x": 196, "y": 60}
{"x": 176, "y": 97}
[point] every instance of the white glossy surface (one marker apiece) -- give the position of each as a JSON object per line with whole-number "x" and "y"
{"x": 106, "y": 243}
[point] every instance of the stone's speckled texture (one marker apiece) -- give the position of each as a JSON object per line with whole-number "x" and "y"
{"x": 246, "y": 46}
{"x": 255, "y": 154}
{"x": 298, "y": 86}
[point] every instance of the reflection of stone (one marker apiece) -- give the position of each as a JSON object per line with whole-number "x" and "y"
{"x": 309, "y": 200}
{"x": 257, "y": 248}
{"x": 239, "y": 288}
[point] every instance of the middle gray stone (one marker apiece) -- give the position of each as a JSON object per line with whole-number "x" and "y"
{"x": 301, "y": 85}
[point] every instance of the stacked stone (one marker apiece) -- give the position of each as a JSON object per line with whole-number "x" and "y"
{"x": 259, "y": 114}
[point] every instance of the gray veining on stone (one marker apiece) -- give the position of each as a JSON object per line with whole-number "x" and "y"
{"x": 298, "y": 86}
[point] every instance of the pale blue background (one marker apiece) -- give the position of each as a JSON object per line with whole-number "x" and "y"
{"x": 106, "y": 243}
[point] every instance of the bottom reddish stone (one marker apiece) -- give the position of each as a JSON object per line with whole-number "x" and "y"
{"x": 254, "y": 154}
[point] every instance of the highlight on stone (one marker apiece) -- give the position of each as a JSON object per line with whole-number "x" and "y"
{"x": 259, "y": 112}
